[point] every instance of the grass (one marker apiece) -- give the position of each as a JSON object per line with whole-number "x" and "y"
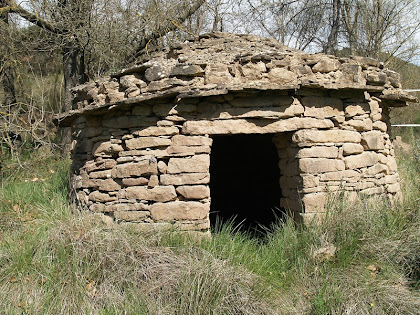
{"x": 56, "y": 260}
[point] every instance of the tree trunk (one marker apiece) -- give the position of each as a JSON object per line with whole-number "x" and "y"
{"x": 332, "y": 38}
{"x": 73, "y": 68}
{"x": 7, "y": 70}
{"x": 74, "y": 74}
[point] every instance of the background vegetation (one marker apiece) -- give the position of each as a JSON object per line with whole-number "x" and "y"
{"x": 365, "y": 259}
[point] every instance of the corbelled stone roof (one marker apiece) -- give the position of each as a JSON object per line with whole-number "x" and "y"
{"x": 220, "y": 63}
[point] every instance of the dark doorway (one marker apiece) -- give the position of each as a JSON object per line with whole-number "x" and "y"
{"x": 244, "y": 181}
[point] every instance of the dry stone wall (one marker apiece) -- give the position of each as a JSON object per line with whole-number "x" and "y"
{"x": 143, "y": 165}
{"x": 143, "y": 137}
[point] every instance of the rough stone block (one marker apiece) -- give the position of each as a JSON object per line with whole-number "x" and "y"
{"x": 194, "y": 164}
{"x": 322, "y": 107}
{"x": 326, "y": 136}
{"x": 326, "y": 65}
{"x": 352, "y": 148}
{"x": 156, "y": 72}
{"x": 187, "y": 150}
{"x": 194, "y": 192}
{"x": 100, "y": 164}
{"x": 162, "y": 167}
{"x": 181, "y": 140}
{"x": 309, "y": 180}
{"x": 359, "y": 125}
{"x": 345, "y": 175}
{"x": 282, "y": 76}
{"x": 179, "y": 210}
{"x": 106, "y": 148}
{"x": 361, "y": 160}
{"x": 185, "y": 179}
{"x": 129, "y": 81}
{"x": 317, "y": 151}
{"x": 393, "y": 188}
{"x": 97, "y": 196}
{"x": 146, "y": 142}
{"x": 139, "y": 181}
{"x": 392, "y": 164}
{"x": 356, "y": 109}
{"x": 109, "y": 185}
{"x": 320, "y": 165}
{"x": 145, "y": 167}
{"x": 253, "y": 126}
{"x": 380, "y": 125}
{"x": 101, "y": 174}
{"x": 376, "y": 169}
{"x": 314, "y": 202}
{"x": 156, "y": 131}
{"x": 187, "y": 71}
{"x": 158, "y": 193}
{"x": 373, "y": 191}
{"x": 131, "y": 215}
{"x": 373, "y": 140}
{"x": 153, "y": 181}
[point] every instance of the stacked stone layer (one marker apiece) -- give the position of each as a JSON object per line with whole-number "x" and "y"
{"x": 142, "y": 138}
{"x": 219, "y": 63}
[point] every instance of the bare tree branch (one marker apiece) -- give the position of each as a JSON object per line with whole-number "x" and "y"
{"x": 185, "y": 12}
{"x": 11, "y": 6}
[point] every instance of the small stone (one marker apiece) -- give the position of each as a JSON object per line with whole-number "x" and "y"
{"x": 156, "y": 73}
{"x": 106, "y": 149}
{"x": 114, "y": 97}
{"x": 380, "y": 125}
{"x": 162, "y": 167}
{"x": 153, "y": 181}
{"x": 326, "y": 253}
{"x": 326, "y": 65}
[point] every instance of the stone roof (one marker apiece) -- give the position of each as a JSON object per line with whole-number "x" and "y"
{"x": 220, "y": 63}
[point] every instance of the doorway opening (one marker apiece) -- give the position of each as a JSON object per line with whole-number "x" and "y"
{"x": 244, "y": 182}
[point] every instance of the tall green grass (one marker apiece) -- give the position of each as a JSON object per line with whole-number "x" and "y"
{"x": 363, "y": 259}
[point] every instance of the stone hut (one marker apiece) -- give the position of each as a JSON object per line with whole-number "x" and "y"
{"x": 232, "y": 125}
